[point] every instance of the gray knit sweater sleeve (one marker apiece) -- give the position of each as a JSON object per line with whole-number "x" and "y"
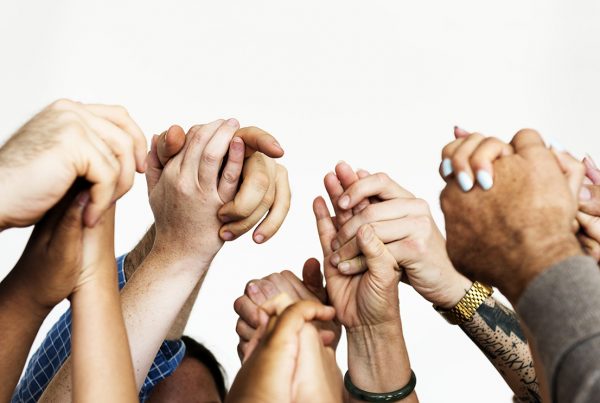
{"x": 561, "y": 309}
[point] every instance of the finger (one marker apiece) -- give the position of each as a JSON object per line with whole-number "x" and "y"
{"x": 120, "y": 117}
{"x": 259, "y": 140}
{"x": 590, "y": 246}
{"x": 214, "y": 153}
{"x": 589, "y": 199}
{"x": 361, "y": 173}
{"x": 170, "y": 143}
{"x": 460, "y": 161}
{"x": 590, "y": 224}
{"x": 384, "y": 211}
{"x": 233, "y": 230}
{"x": 281, "y": 284}
{"x": 379, "y": 185}
{"x": 230, "y": 177}
{"x": 68, "y": 233}
{"x": 527, "y": 138}
{"x": 254, "y": 188}
{"x": 153, "y": 166}
{"x": 379, "y": 260}
{"x": 254, "y": 292}
{"x": 270, "y": 290}
{"x": 279, "y": 210}
{"x": 334, "y": 189}
{"x": 277, "y": 304}
{"x": 592, "y": 171}
{"x": 312, "y": 277}
{"x": 244, "y": 330}
{"x": 325, "y": 226}
{"x": 460, "y": 132}
{"x": 295, "y": 317}
{"x": 348, "y": 258}
{"x": 573, "y": 170}
{"x": 447, "y": 152}
{"x": 482, "y": 160}
{"x": 347, "y": 178}
{"x": 247, "y": 310}
{"x": 300, "y": 288}
{"x": 196, "y": 141}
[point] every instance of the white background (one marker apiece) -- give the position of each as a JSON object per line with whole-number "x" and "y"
{"x": 377, "y": 83}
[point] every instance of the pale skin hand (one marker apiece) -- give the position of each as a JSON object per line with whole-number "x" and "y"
{"x": 31, "y": 290}
{"x": 152, "y": 298}
{"x": 67, "y": 140}
{"x": 367, "y": 305}
{"x": 257, "y": 292}
{"x": 290, "y": 364}
{"x": 102, "y": 369}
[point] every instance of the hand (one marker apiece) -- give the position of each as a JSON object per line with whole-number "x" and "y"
{"x": 509, "y": 234}
{"x": 364, "y": 299}
{"x": 290, "y": 364}
{"x": 50, "y": 266}
{"x": 589, "y": 210}
{"x": 404, "y": 224}
{"x": 257, "y": 292}
{"x": 265, "y": 186}
{"x": 65, "y": 141}
{"x": 186, "y": 198}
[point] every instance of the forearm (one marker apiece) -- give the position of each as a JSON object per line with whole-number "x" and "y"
{"x": 101, "y": 359}
{"x": 496, "y": 331}
{"x": 20, "y": 320}
{"x": 182, "y": 318}
{"x": 378, "y": 359}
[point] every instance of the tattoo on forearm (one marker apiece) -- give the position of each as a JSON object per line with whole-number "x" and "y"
{"x": 495, "y": 329}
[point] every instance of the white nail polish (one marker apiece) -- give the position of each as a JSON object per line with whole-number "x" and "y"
{"x": 465, "y": 181}
{"x": 446, "y": 167}
{"x": 484, "y": 179}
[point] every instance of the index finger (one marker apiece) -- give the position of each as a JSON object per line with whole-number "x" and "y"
{"x": 120, "y": 117}
{"x": 259, "y": 140}
{"x": 170, "y": 143}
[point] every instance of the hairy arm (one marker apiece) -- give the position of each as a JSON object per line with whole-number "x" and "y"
{"x": 495, "y": 329}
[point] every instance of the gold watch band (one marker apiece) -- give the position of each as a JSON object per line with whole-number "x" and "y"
{"x": 467, "y": 306}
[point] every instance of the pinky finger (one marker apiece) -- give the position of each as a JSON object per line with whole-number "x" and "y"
{"x": 228, "y": 184}
{"x": 279, "y": 210}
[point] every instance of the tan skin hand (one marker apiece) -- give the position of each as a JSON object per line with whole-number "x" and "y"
{"x": 67, "y": 140}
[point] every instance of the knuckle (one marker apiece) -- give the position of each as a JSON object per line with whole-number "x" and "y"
{"x": 261, "y": 181}
{"x": 210, "y": 158}
{"x": 230, "y": 177}
{"x": 61, "y": 104}
{"x": 421, "y": 205}
{"x": 121, "y": 110}
{"x": 382, "y": 177}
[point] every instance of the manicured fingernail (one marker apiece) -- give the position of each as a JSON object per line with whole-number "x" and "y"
{"x": 228, "y": 236}
{"x": 335, "y": 259}
{"x": 252, "y": 288}
{"x": 446, "y": 167}
{"x": 485, "y": 180}
{"x": 590, "y": 162}
{"x": 232, "y": 122}
{"x": 335, "y": 244}
{"x": 585, "y": 193}
{"x": 465, "y": 181}
{"x": 344, "y": 267}
{"x": 259, "y": 238}
{"x": 344, "y": 201}
{"x": 555, "y": 145}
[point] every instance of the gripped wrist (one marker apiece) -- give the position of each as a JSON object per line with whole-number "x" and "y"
{"x": 452, "y": 289}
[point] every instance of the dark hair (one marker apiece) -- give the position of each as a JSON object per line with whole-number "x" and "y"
{"x": 193, "y": 349}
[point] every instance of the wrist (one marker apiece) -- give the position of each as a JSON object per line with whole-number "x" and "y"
{"x": 453, "y": 288}
{"x": 178, "y": 250}
{"x": 23, "y": 300}
{"x": 377, "y": 357}
{"x": 536, "y": 259}
{"x": 164, "y": 256}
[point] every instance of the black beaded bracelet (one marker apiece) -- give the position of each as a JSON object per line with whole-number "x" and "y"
{"x": 380, "y": 397}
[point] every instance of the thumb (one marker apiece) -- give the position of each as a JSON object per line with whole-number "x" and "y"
{"x": 380, "y": 261}
{"x": 68, "y": 232}
{"x": 170, "y": 143}
{"x": 589, "y": 199}
{"x": 313, "y": 279}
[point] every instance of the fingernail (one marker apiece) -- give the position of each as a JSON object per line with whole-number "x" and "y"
{"x": 252, "y": 288}
{"x": 465, "y": 181}
{"x": 232, "y": 122}
{"x": 344, "y": 267}
{"x": 335, "y": 259}
{"x": 335, "y": 244}
{"x": 259, "y": 238}
{"x": 460, "y": 130}
{"x": 83, "y": 198}
{"x": 590, "y": 161}
{"x": 225, "y": 219}
{"x": 585, "y": 193}
{"x": 446, "y": 167}
{"x": 227, "y": 236}
{"x": 555, "y": 145}
{"x": 344, "y": 201}
{"x": 485, "y": 179}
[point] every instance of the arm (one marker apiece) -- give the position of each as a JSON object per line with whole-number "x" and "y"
{"x": 101, "y": 362}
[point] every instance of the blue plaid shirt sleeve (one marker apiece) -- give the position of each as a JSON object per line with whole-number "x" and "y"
{"x": 56, "y": 348}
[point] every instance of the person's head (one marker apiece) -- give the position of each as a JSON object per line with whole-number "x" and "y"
{"x": 200, "y": 378}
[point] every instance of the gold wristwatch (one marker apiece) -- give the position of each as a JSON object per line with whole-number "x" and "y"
{"x": 467, "y": 306}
